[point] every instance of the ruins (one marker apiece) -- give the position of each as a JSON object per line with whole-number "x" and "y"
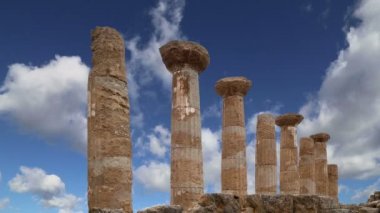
{"x": 306, "y": 166}
{"x": 306, "y": 181}
{"x": 185, "y": 60}
{"x": 109, "y": 140}
{"x": 320, "y": 155}
{"x": 234, "y": 163}
{"x": 266, "y": 155}
{"x": 289, "y": 176}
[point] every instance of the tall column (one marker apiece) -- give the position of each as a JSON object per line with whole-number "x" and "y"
{"x": 109, "y": 141}
{"x": 320, "y": 156}
{"x": 306, "y": 166}
{"x": 332, "y": 170}
{"x": 289, "y": 176}
{"x": 185, "y": 60}
{"x": 234, "y": 163}
{"x": 266, "y": 156}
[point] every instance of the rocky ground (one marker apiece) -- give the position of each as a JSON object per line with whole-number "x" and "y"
{"x": 223, "y": 203}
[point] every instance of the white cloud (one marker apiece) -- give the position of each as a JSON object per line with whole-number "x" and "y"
{"x": 212, "y": 111}
{"x": 251, "y": 158}
{"x": 49, "y": 100}
{"x": 48, "y": 188}
{"x": 156, "y": 142}
{"x": 4, "y": 202}
{"x": 212, "y": 159}
{"x": 154, "y": 176}
{"x": 348, "y": 102}
{"x": 363, "y": 194}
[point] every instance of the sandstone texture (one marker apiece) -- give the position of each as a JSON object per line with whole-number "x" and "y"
{"x": 234, "y": 163}
{"x": 266, "y": 157}
{"x": 109, "y": 140}
{"x": 163, "y": 209}
{"x": 185, "y": 60}
{"x": 332, "y": 171}
{"x": 320, "y": 156}
{"x": 306, "y": 166}
{"x": 289, "y": 175}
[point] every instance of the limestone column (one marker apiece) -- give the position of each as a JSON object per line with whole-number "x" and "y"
{"x": 306, "y": 166}
{"x": 289, "y": 176}
{"x": 234, "y": 163}
{"x": 320, "y": 155}
{"x": 185, "y": 60}
{"x": 332, "y": 170}
{"x": 109, "y": 141}
{"x": 266, "y": 156}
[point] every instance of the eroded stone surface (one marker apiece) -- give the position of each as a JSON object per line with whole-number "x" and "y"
{"x": 234, "y": 164}
{"x": 185, "y": 60}
{"x": 266, "y": 159}
{"x": 320, "y": 156}
{"x": 289, "y": 175}
{"x": 162, "y": 209}
{"x": 332, "y": 171}
{"x": 211, "y": 203}
{"x": 306, "y": 166}
{"x": 109, "y": 142}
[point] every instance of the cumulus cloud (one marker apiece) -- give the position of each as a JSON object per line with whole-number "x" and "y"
{"x": 48, "y": 188}
{"x": 49, "y": 100}
{"x": 348, "y": 102}
{"x": 212, "y": 159}
{"x": 156, "y": 142}
{"x": 4, "y": 202}
{"x": 154, "y": 176}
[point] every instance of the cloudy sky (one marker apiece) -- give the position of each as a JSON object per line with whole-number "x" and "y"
{"x": 316, "y": 57}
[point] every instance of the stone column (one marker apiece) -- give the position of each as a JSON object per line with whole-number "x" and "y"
{"x": 185, "y": 60}
{"x": 266, "y": 156}
{"x": 306, "y": 166}
{"x": 332, "y": 170}
{"x": 234, "y": 163}
{"x": 289, "y": 176}
{"x": 320, "y": 156}
{"x": 109, "y": 141}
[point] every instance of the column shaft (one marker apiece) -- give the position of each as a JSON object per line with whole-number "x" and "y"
{"x": 186, "y": 145}
{"x": 321, "y": 173}
{"x": 333, "y": 181}
{"x": 306, "y": 167}
{"x": 266, "y": 156}
{"x": 234, "y": 165}
{"x": 289, "y": 177}
{"x": 109, "y": 142}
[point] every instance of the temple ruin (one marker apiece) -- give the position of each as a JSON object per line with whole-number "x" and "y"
{"x": 234, "y": 162}
{"x": 304, "y": 173}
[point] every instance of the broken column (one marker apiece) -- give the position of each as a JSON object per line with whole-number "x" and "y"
{"x": 185, "y": 60}
{"x": 266, "y": 156}
{"x": 289, "y": 176}
{"x": 320, "y": 158}
{"x": 234, "y": 164}
{"x": 109, "y": 141}
{"x": 332, "y": 170}
{"x": 306, "y": 166}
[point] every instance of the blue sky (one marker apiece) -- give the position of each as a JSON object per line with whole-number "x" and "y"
{"x": 319, "y": 58}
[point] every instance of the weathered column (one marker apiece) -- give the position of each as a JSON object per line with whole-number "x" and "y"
{"x": 306, "y": 166}
{"x": 332, "y": 170}
{"x": 185, "y": 60}
{"x": 266, "y": 156}
{"x": 289, "y": 176}
{"x": 234, "y": 163}
{"x": 109, "y": 141}
{"x": 320, "y": 156}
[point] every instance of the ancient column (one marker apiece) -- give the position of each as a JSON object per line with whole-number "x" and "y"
{"x": 320, "y": 157}
{"x": 306, "y": 166}
{"x": 266, "y": 156}
{"x": 234, "y": 163}
{"x": 109, "y": 140}
{"x": 332, "y": 171}
{"x": 289, "y": 176}
{"x": 185, "y": 60}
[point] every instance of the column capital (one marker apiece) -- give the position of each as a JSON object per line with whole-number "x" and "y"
{"x": 178, "y": 54}
{"x": 233, "y": 86}
{"x": 320, "y": 137}
{"x": 289, "y": 119}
